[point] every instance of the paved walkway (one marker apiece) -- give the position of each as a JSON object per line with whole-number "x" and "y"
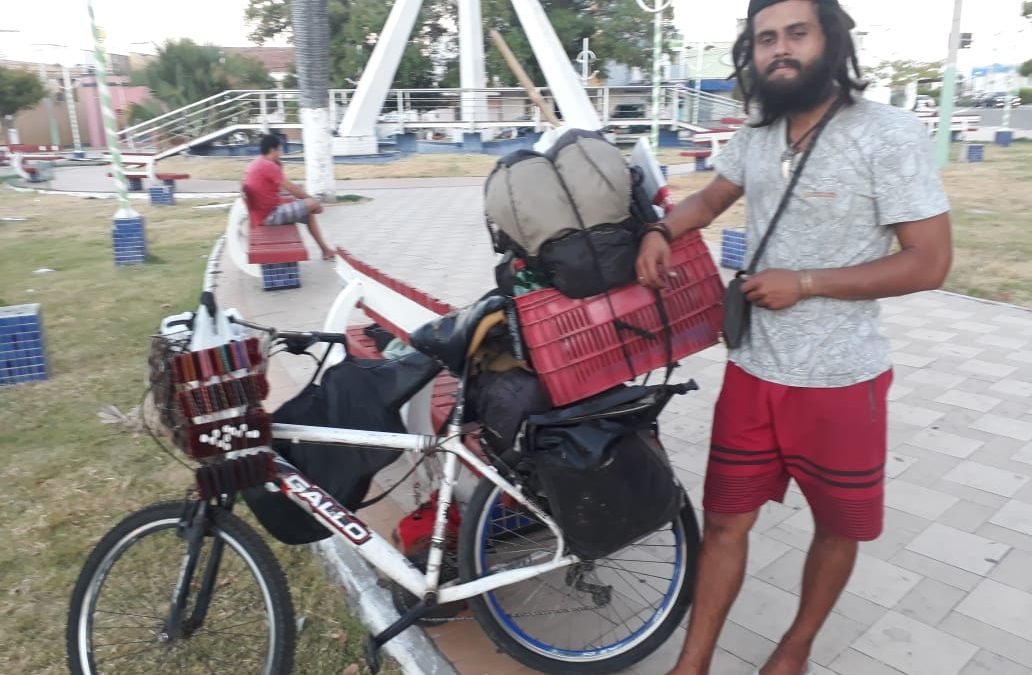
{"x": 947, "y": 590}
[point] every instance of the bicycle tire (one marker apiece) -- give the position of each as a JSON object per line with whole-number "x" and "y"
{"x": 534, "y": 652}
{"x": 139, "y": 531}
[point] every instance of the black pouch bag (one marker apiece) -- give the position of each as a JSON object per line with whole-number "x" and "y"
{"x": 737, "y": 310}
{"x": 604, "y": 471}
{"x": 736, "y": 313}
{"x": 583, "y": 263}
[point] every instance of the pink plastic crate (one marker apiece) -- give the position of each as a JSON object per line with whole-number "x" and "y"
{"x": 575, "y": 345}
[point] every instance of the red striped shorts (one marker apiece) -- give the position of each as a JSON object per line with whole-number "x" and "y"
{"x": 832, "y": 441}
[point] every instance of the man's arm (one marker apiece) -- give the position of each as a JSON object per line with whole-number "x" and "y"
{"x": 922, "y": 263}
{"x": 295, "y": 190}
{"x": 693, "y": 213}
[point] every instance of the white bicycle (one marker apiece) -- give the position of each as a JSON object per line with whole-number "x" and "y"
{"x": 189, "y": 587}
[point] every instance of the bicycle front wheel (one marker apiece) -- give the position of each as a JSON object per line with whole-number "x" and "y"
{"x": 596, "y": 616}
{"x": 119, "y": 608}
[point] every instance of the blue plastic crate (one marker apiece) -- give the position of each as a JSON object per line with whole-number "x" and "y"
{"x": 22, "y": 346}
{"x": 129, "y": 241}
{"x": 161, "y": 196}
{"x": 975, "y": 152}
{"x": 733, "y": 248}
{"x": 276, "y": 276}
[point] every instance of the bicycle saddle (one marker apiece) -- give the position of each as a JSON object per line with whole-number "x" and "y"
{"x": 453, "y": 337}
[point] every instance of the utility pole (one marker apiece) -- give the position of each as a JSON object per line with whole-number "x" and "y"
{"x": 949, "y": 89}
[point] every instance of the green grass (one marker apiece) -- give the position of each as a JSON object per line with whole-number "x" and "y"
{"x": 68, "y": 478}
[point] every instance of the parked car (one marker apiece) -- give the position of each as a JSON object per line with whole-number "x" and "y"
{"x": 924, "y": 104}
{"x": 628, "y": 111}
{"x": 998, "y": 100}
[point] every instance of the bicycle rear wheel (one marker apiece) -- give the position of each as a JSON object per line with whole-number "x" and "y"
{"x": 596, "y": 616}
{"x": 117, "y": 617}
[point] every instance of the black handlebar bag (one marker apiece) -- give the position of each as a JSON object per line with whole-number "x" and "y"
{"x": 603, "y": 470}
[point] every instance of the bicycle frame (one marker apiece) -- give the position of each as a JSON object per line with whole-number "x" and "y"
{"x": 376, "y": 550}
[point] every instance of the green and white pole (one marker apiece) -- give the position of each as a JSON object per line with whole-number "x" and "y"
{"x": 657, "y": 47}
{"x": 127, "y": 234}
{"x": 949, "y": 88}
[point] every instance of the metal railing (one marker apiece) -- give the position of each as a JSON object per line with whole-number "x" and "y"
{"x": 500, "y": 109}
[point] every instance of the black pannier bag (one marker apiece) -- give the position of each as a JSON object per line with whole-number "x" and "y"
{"x": 360, "y": 394}
{"x": 603, "y": 470}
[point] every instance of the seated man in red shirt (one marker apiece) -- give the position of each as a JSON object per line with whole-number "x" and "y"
{"x": 263, "y": 181}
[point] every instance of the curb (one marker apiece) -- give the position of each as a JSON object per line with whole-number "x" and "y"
{"x": 417, "y": 654}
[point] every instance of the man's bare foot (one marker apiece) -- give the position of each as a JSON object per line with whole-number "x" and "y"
{"x": 788, "y": 659}
{"x": 329, "y": 255}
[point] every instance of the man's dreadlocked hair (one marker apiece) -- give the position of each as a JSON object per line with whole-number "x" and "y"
{"x": 839, "y": 50}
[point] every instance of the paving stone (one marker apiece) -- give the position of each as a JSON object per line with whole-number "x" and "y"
{"x": 898, "y": 391}
{"x": 903, "y": 413}
{"x": 852, "y": 662}
{"x": 745, "y": 644}
{"x": 935, "y": 378}
{"x": 1004, "y": 426}
{"x": 966, "y": 515}
{"x": 987, "y": 369}
{"x": 961, "y": 549}
{"x": 901, "y": 358}
{"x": 763, "y": 551}
{"x": 969, "y": 401}
{"x": 1001, "y": 341}
{"x": 988, "y": 663}
{"x": 987, "y": 478}
{"x": 1013, "y": 570}
{"x": 945, "y": 443}
{"x": 917, "y": 500}
{"x": 897, "y": 463}
{"x": 881, "y": 582}
{"x": 989, "y": 637}
{"x": 1000, "y": 606}
{"x": 913, "y": 647}
{"x": 930, "y": 335}
{"x": 951, "y": 349}
{"x": 930, "y": 601}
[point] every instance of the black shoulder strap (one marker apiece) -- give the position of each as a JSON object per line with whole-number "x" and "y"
{"x": 791, "y": 186}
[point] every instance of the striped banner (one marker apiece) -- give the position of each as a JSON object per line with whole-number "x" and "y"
{"x": 111, "y": 129}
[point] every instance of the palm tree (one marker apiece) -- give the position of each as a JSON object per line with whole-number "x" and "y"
{"x": 311, "y": 50}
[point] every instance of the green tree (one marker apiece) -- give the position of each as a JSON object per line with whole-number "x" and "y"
{"x": 19, "y": 90}
{"x": 184, "y": 72}
{"x": 618, "y": 29}
{"x": 900, "y": 72}
{"x": 1026, "y": 69}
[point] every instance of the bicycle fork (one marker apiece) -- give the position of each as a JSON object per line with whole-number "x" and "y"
{"x": 192, "y": 527}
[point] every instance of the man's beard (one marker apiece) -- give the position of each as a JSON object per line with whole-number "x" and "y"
{"x": 806, "y": 91}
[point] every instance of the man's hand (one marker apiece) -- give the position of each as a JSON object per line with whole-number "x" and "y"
{"x": 653, "y": 263}
{"x": 773, "y": 289}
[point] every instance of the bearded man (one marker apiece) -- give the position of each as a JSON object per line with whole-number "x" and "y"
{"x": 804, "y": 394}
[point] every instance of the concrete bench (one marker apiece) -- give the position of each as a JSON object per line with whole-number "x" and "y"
{"x": 140, "y": 167}
{"x": 277, "y": 249}
{"x": 34, "y": 163}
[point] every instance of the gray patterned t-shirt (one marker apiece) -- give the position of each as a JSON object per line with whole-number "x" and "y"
{"x": 872, "y": 167}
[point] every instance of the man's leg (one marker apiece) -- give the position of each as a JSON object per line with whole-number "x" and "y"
{"x": 725, "y": 547}
{"x": 314, "y": 207}
{"x": 834, "y": 444}
{"x": 745, "y": 470}
{"x": 829, "y": 563}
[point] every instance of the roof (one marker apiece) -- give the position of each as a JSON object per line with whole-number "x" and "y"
{"x": 275, "y": 59}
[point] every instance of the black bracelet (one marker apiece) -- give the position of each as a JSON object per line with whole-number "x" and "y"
{"x": 663, "y": 229}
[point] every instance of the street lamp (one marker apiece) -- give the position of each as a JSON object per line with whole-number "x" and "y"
{"x": 657, "y": 38}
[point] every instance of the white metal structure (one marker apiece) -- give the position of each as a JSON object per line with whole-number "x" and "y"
{"x": 357, "y": 132}
{"x": 248, "y": 111}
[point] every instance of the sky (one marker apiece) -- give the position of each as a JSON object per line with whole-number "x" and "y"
{"x": 909, "y": 29}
